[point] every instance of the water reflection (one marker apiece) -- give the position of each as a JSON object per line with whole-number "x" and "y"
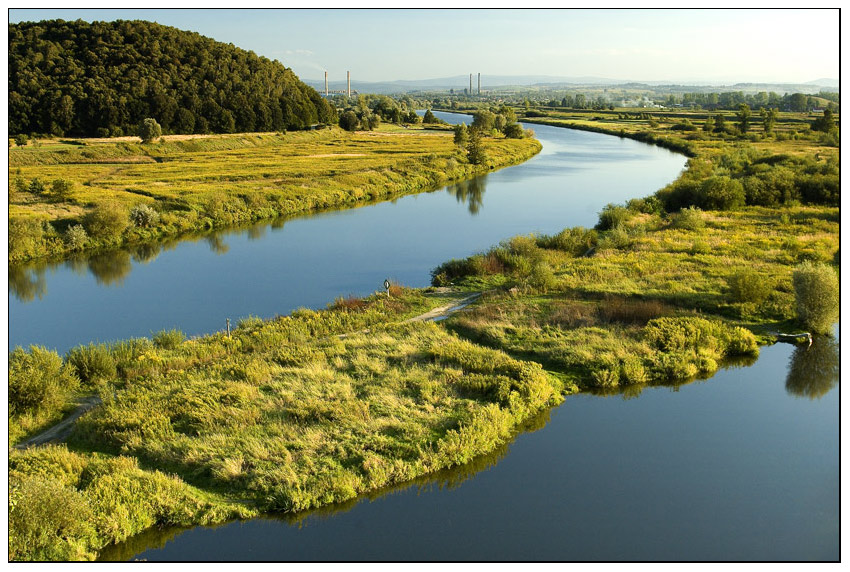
{"x": 627, "y": 392}
{"x": 470, "y": 192}
{"x": 257, "y": 231}
{"x": 27, "y": 284}
{"x": 813, "y": 370}
{"x": 217, "y": 245}
{"x": 110, "y": 268}
{"x": 145, "y": 253}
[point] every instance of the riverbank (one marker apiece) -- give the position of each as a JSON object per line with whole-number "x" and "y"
{"x": 95, "y": 195}
{"x": 285, "y": 415}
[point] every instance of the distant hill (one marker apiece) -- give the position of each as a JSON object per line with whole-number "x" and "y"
{"x": 498, "y": 82}
{"x": 103, "y": 78}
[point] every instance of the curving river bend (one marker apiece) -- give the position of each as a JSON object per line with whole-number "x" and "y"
{"x": 743, "y": 466}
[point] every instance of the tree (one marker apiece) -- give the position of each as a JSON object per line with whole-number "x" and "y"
{"x": 768, "y": 119}
{"x": 708, "y": 126}
{"x": 509, "y": 113}
{"x": 475, "y": 147}
{"x": 429, "y": 117}
{"x": 798, "y": 102}
{"x": 514, "y": 131}
{"x": 816, "y": 288}
{"x": 744, "y": 114}
{"x": 461, "y": 135}
{"x": 484, "y": 120}
{"x": 149, "y": 130}
{"x": 61, "y": 189}
{"x": 719, "y": 123}
{"x": 824, "y": 123}
{"x": 349, "y": 121}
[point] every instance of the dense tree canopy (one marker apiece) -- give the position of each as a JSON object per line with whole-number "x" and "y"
{"x": 104, "y": 78}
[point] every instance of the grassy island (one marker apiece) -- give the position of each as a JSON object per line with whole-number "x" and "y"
{"x": 319, "y": 406}
{"x": 94, "y": 194}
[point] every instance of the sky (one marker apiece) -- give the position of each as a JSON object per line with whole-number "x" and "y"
{"x": 684, "y": 46}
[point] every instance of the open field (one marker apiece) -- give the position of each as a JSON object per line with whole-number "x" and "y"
{"x": 194, "y": 183}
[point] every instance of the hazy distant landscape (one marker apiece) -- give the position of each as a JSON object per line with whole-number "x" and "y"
{"x": 573, "y": 311}
{"x": 544, "y": 83}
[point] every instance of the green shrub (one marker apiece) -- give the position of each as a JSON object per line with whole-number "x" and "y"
{"x": 689, "y": 218}
{"x": 106, "y": 222}
{"x": 747, "y": 285}
{"x": 632, "y": 371}
{"x": 93, "y": 363}
{"x": 722, "y": 193}
{"x": 38, "y": 381}
{"x": 817, "y": 294}
{"x": 76, "y": 237}
{"x": 26, "y": 236}
{"x": 612, "y": 216}
{"x": 47, "y": 521}
{"x": 168, "y": 339}
{"x": 61, "y": 189}
{"x": 36, "y": 187}
{"x": 143, "y": 216}
{"x": 576, "y": 241}
{"x": 679, "y": 334}
{"x": 617, "y": 238}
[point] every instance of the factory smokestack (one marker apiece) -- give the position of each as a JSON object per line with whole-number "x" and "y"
{"x": 326, "y": 84}
{"x": 479, "y": 83}
{"x": 348, "y": 76}
{"x": 470, "y": 84}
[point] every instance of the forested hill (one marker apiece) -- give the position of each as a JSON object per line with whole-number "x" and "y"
{"x": 104, "y": 78}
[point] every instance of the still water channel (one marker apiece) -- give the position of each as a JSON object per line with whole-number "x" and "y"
{"x": 743, "y": 466}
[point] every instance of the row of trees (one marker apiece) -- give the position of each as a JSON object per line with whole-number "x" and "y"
{"x": 368, "y": 111}
{"x": 731, "y": 100}
{"x": 103, "y": 78}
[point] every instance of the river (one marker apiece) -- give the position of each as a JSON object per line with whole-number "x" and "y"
{"x": 276, "y": 267}
{"x": 743, "y": 466}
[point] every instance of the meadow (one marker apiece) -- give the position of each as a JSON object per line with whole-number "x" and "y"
{"x": 67, "y": 196}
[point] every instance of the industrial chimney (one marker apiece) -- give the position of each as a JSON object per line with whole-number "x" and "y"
{"x": 348, "y": 76}
{"x": 479, "y": 83}
{"x": 326, "y": 84}
{"x": 470, "y": 84}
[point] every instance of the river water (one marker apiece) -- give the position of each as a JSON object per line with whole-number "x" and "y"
{"x": 273, "y": 268}
{"x": 743, "y": 466}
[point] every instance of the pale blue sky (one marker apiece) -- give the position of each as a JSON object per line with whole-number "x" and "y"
{"x": 777, "y": 45}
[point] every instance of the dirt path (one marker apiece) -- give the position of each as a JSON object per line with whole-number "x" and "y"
{"x": 444, "y": 311}
{"x": 61, "y": 430}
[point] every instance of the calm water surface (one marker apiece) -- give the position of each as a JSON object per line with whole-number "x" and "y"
{"x": 743, "y": 466}
{"x": 274, "y": 268}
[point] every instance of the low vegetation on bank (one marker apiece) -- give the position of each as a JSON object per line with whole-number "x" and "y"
{"x": 317, "y": 407}
{"x": 68, "y": 196}
{"x": 287, "y": 414}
